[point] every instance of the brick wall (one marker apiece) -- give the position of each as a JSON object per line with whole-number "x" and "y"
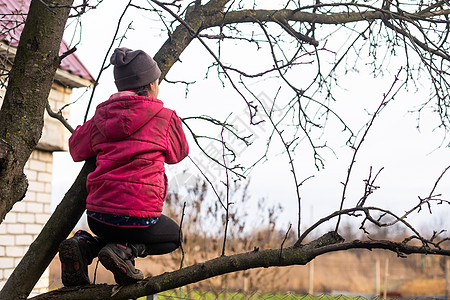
{"x": 24, "y": 222}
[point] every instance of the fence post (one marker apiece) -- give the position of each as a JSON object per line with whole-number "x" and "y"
{"x": 311, "y": 277}
{"x": 377, "y": 277}
{"x": 386, "y": 273}
{"x": 447, "y": 279}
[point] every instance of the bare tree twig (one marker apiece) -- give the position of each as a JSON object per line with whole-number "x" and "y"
{"x": 59, "y": 117}
{"x": 358, "y": 146}
{"x": 227, "y": 186}
{"x": 181, "y": 237}
{"x": 105, "y": 58}
{"x": 284, "y": 240}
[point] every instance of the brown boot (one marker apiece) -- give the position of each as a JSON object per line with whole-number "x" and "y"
{"x": 119, "y": 259}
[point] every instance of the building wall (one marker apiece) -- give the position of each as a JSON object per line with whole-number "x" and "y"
{"x": 23, "y": 224}
{"x": 25, "y": 221}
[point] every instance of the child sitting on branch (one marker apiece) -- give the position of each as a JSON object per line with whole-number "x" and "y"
{"x": 131, "y": 135}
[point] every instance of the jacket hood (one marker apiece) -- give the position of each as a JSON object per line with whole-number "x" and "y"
{"x": 124, "y": 113}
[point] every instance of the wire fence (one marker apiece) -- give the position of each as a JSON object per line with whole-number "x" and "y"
{"x": 239, "y": 295}
{"x": 386, "y": 276}
{"x": 331, "y": 277}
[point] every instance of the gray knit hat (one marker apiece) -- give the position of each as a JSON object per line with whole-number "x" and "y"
{"x": 133, "y": 69}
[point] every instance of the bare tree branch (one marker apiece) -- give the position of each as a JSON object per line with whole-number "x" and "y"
{"x": 295, "y": 255}
{"x": 59, "y": 117}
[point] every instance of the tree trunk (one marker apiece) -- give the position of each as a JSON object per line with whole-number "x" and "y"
{"x": 180, "y": 38}
{"x": 22, "y": 119}
{"x": 29, "y": 84}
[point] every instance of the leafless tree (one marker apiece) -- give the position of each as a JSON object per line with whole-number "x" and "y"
{"x": 294, "y": 35}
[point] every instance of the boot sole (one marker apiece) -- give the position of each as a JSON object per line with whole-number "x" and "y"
{"x": 122, "y": 272}
{"x": 72, "y": 265}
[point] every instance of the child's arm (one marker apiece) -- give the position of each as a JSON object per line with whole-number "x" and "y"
{"x": 80, "y": 147}
{"x": 177, "y": 145}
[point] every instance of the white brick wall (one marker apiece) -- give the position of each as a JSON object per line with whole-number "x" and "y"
{"x": 24, "y": 222}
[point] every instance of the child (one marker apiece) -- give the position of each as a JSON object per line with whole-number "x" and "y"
{"x": 131, "y": 135}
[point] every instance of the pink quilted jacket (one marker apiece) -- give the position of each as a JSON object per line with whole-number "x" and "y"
{"x": 132, "y": 137}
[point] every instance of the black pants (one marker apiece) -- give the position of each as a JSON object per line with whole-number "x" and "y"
{"x": 161, "y": 238}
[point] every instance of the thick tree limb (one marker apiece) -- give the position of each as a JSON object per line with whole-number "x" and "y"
{"x": 212, "y": 15}
{"x": 29, "y": 84}
{"x": 226, "y": 264}
{"x": 283, "y": 16}
{"x": 263, "y": 15}
{"x": 178, "y": 40}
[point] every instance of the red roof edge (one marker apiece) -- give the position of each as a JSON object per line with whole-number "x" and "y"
{"x": 12, "y": 21}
